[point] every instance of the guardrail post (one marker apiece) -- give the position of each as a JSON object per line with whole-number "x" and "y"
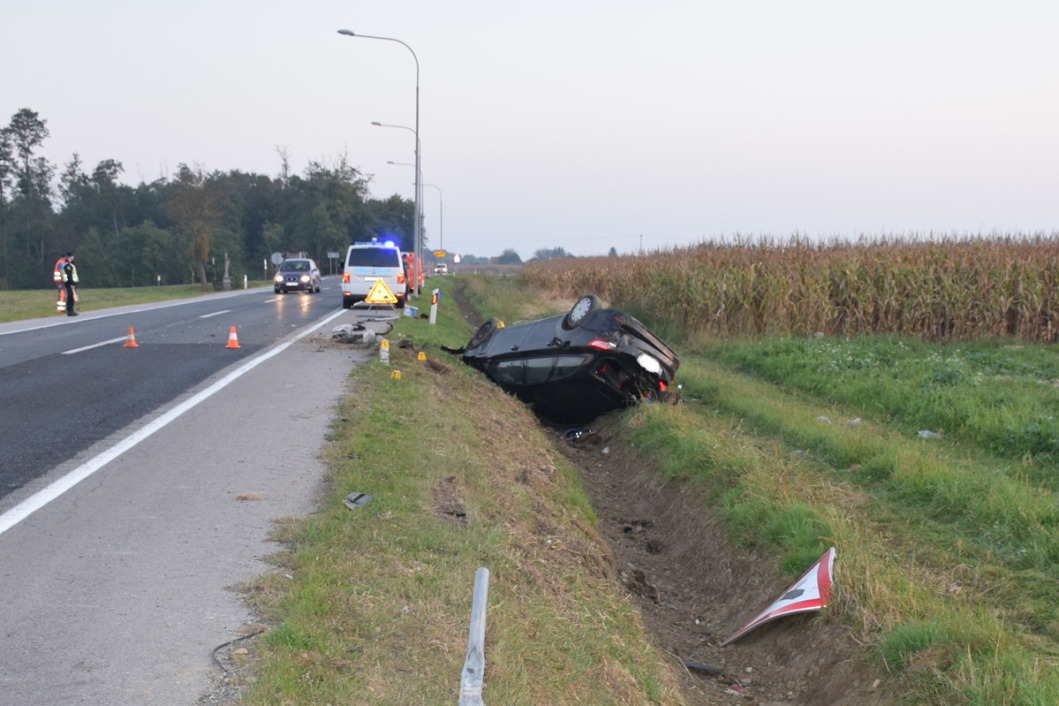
{"x": 474, "y": 665}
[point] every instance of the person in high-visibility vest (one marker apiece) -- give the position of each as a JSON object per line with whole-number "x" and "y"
{"x": 69, "y": 280}
{"x": 57, "y": 275}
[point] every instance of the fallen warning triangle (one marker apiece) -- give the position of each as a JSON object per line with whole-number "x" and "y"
{"x": 810, "y": 592}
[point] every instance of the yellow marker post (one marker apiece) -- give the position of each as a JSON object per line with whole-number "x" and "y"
{"x": 384, "y": 351}
{"x": 396, "y": 375}
{"x": 421, "y": 356}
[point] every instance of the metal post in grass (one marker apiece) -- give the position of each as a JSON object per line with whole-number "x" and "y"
{"x": 474, "y": 665}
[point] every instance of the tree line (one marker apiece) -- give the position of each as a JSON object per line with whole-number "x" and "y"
{"x": 178, "y": 229}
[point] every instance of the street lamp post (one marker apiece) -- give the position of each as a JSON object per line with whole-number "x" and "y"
{"x": 418, "y": 242}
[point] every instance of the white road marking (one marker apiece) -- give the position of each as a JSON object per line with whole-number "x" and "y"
{"x": 44, "y": 496}
{"x": 95, "y": 345}
{"x": 216, "y": 313}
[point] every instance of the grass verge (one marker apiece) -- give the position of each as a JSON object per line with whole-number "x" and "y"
{"x": 16, "y": 305}
{"x": 373, "y": 605}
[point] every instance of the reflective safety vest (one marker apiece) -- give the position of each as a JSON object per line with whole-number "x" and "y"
{"x": 57, "y": 275}
{"x": 72, "y": 277}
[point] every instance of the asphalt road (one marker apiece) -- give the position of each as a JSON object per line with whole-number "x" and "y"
{"x": 182, "y": 453}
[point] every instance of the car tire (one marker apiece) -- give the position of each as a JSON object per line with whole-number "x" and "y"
{"x": 484, "y": 332}
{"x": 580, "y": 311}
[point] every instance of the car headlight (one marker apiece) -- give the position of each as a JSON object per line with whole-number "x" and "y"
{"x": 649, "y": 363}
{"x": 277, "y": 278}
{"x": 304, "y": 278}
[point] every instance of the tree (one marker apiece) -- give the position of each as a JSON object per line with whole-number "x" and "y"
{"x": 509, "y": 257}
{"x": 613, "y": 252}
{"x": 545, "y": 254}
{"x": 30, "y": 212}
{"x": 195, "y": 210}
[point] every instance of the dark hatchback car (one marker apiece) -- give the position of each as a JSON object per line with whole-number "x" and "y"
{"x": 575, "y": 367}
{"x": 297, "y": 275}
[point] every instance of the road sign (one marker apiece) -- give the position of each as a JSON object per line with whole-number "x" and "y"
{"x": 440, "y": 253}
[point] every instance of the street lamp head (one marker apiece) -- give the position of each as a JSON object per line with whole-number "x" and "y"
{"x": 375, "y": 122}
{"x": 347, "y": 32}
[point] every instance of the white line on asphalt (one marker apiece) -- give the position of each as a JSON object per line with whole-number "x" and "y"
{"x": 94, "y": 345}
{"x": 216, "y": 313}
{"x": 44, "y": 496}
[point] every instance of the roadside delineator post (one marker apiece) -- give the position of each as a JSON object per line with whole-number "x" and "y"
{"x": 233, "y": 340}
{"x": 130, "y": 342}
{"x": 384, "y": 351}
{"x": 473, "y": 676}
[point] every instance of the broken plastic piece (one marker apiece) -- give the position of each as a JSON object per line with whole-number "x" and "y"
{"x": 355, "y": 501}
{"x": 810, "y": 592}
{"x": 702, "y": 667}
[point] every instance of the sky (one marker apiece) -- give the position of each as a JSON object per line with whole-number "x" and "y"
{"x": 580, "y": 124}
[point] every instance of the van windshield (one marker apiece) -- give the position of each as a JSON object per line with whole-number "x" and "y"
{"x": 374, "y": 257}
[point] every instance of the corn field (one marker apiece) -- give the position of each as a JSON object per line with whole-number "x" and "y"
{"x": 949, "y": 289}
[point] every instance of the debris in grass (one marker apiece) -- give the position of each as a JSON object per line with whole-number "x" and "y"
{"x": 577, "y": 434}
{"x": 356, "y": 500}
{"x": 927, "y": 434}
{"x": 823, "y": 420}
{"x": 702, "y": 667}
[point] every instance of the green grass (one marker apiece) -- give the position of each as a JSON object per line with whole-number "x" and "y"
{"x": 948, "y": 545}
{"x": 16, "y": 305}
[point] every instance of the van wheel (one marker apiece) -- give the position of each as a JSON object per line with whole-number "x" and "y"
{"x": 580, "y": 311}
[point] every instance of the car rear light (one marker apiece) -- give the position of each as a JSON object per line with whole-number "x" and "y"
{"x": 600, "y": 344}
{"x": 345, "y": 278}
{"x": 400, "y": 279}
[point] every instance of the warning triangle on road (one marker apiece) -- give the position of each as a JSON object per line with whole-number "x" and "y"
{"x": 380, "y": 294}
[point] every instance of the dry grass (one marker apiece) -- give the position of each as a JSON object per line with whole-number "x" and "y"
{"x": 946, "y": 289}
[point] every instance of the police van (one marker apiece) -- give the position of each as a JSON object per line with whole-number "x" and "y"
{"x": 367, "y": 264}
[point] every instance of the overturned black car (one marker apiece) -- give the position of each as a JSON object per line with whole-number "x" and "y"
{"x": 575, "y": 367}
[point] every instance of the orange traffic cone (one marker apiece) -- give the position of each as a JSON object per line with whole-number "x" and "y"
{"x": 130, "y": 342}
{"x": 233, "y": 341}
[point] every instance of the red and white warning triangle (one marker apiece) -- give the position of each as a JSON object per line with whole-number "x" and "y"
{"x": 810, "y": 592}
{"x": 380, "y": 294}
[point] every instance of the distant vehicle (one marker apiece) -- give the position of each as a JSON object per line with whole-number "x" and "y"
{"x": 366, "y": 264}
{"x": 297, "y": 275}
{"x": 441, "y": 269}
{"x": 575, "y": 367}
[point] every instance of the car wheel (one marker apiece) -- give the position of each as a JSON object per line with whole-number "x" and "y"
{"x": 484, "y": 332}
{"x": 580, "y": 311}
{"x": 276, "y": 291}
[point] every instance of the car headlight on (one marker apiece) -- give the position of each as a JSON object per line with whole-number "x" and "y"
{"x": 277, "y": 278}
{"x": 649, "y": 363}
{"x": 304, "y": 278}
